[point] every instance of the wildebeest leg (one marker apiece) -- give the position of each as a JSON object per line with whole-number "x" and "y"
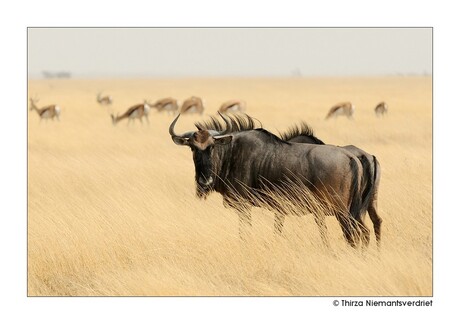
{"x": 364, "y": 233}
{"x": 320, "y": 220}
{"x": 279, "y": 222}
{"x": 148, "y": 121}
{"x": 244, "y": 214}
{"x": 376, "y": 220}
{"x": 349, "y": 228}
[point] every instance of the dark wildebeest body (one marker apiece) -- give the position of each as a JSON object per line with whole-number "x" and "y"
{"x": 370, "y": 164}
{"x": 241, "y": 163}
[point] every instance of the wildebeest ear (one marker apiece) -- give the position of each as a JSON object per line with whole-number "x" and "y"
{"x": 222, "y": 140}
{"x": 180, "y": 140}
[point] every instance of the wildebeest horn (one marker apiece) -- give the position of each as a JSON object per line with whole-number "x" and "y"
{"x": 171, "y": 127}
{"x": 173, "y": 134}
{"x": 222, "y": 132}
{"x": 215, "y": 132}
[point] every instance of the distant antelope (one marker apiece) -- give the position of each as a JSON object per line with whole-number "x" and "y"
{"x": 47, "y": 112}
{"x": 233, "y": 105}
{"x": 192, "y": 105}
{"x": 166, "y": 104}
{"x": 137, "y": 111}
{"x": 381, "y": 109}
{"x": 106, "y": 100}
{"x": 341, "y": 109}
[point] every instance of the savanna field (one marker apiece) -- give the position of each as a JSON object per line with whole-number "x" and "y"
{"x": 112, "y": 210}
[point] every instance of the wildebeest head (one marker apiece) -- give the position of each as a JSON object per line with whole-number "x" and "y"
{"x": 202, "y": 143}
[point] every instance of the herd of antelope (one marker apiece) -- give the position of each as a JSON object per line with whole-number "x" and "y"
{"x": 190, "y": 105}
{"x": 170, "y": 105}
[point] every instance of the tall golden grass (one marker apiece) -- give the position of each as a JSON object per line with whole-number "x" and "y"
{"x": 112, "y": 210}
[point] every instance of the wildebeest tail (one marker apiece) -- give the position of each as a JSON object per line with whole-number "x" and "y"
{"x": 356, "y": 198}
{"x": 367, "y": 181}
{"x": 376, "y": 177}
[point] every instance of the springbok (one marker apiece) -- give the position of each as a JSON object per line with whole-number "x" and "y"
{"x": 106, "y": 100}
{"x": 381, "y": 109}
{"x": 233, "y": 106}
{"x": 341, "y": 109}
{"x": 192, "y": 105}
{"x": 47, "y": 112}
{"x": 166, "y": 104}
{"x": 136, "y": 111}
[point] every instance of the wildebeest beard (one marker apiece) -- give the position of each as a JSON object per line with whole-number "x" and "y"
{"x": 203, "y": 192}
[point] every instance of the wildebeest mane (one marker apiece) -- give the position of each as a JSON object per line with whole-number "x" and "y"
{"x": 240, "y": 122}
{"x": 303, "y": 130}
{"x": 274, "y": 139}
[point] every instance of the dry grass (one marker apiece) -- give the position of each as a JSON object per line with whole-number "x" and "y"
{"x": 112, "y": 210}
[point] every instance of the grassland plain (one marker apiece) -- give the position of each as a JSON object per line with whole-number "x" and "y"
{"x": 112, "y": 210}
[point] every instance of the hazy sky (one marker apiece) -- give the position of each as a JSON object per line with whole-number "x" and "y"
{"x": 200, "y": 52}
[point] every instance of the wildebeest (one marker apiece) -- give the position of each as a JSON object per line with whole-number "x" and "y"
{"x": 136, "y": 111}
{"x": 241, "y": 162}
{"x": 381, "y": 109}
{"x": 48, "y": 112}
{"x": 166, "y": 104}
{"x": 341, "y": 109}
{"x": 371, "y": 168}
{"x": 192, "y": 105}
{"x": 106, "y": 100}
{"x": 233, "y": 106}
